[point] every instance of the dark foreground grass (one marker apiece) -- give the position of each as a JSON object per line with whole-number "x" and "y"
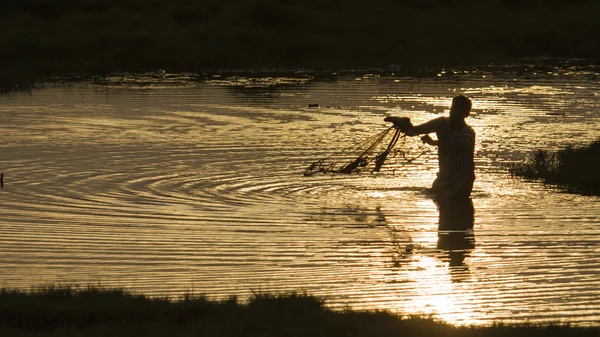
{"x": 72, "y": 311}
{"x": 575, "y": 169}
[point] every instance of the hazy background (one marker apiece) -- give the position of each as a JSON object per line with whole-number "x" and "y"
{"x": 50, "y": 37}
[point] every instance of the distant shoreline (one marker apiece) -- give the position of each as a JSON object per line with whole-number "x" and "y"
{"x": 155, "y": 76}
{"x": 65, "y": 38}
{"x": 75, "y": 311}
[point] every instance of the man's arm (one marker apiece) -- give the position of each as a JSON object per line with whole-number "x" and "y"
{"x": 428, "y": 140}
{"x": 427, "y": 127}
{"x": 404, "y": 124}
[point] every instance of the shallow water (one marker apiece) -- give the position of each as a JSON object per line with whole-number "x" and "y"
{"x": 181, "y": 187}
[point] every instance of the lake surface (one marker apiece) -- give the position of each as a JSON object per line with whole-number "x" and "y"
{"x": 173, "y": 186}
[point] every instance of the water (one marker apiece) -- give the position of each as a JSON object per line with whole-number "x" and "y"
{"x": 182, "y": 187}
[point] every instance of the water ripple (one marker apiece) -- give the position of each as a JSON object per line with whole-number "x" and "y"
{"x": 166, "y": 189}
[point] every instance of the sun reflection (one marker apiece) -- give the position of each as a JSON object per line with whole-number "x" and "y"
{"x": 438, "y": 295}
{"x": 429, "y": 259}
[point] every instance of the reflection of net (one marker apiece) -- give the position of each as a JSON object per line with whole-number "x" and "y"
{"x": 367, "y": 156}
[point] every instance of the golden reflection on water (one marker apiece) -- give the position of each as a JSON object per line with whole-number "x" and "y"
{"x": 433, "y": 263}
{"x": 443, "y": 298}
{"x": 162, "y": 189}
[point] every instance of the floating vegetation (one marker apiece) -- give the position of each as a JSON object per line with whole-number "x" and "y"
{"x": 147, "y": 79}
{"x": 576, "y": 169}
{"x": 257, "y": 82}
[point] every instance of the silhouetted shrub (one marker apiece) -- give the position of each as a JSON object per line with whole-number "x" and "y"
{"x": 577, "y": 169}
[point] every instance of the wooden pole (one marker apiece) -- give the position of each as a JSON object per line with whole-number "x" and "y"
{"x": 1, "y": 180}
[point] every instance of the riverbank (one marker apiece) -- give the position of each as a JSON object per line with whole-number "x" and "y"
{"x": 41, "y": 39}
{"x": 72, "y": 311}
{"x": 574, "y": 169}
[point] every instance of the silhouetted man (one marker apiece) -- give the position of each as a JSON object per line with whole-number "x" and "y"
{"x": 456, "y": 147}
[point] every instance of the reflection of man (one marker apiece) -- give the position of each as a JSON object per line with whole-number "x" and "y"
{"x": 455, "y": 229}
{"x": 456, "y": 147}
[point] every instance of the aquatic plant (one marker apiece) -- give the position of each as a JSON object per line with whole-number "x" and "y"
{"x": 94, "y": 311}
{"x": 576, "y": 169}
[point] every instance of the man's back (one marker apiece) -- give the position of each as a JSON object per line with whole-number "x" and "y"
{"x": 456, "y": 147}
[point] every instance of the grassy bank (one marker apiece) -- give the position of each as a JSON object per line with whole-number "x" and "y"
{"x": 68, "y": 311}
{"x": 41, "y": 38}
{"x": 575, "y": 169}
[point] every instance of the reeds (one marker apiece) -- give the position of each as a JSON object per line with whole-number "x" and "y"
{"x": 575, "y": 169}
{"x": 93, "y": 311}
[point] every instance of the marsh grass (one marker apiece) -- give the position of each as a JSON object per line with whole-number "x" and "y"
{"x": 93, "y": 311}
{"x": 575, "y": 169}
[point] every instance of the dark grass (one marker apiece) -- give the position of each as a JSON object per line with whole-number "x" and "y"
{"x": 574, "y": 169}
{"x": 92, "y": 311}
{"x": 44, "y": 38}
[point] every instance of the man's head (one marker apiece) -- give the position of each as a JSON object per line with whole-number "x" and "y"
{"x": 461, "y": 107}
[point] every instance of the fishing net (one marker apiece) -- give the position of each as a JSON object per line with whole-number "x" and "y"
{"x": 368, "y": 155}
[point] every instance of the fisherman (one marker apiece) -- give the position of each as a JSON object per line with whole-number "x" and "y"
{"x": 456, "y": 148}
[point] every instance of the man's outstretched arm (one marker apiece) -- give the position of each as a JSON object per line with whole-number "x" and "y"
{"x": 406, "y": 126}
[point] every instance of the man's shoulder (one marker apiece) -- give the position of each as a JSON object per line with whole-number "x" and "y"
{"x": 469, "y": 129}
{"x": 440, "y": 121}
{"x": 467, "y": 134}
